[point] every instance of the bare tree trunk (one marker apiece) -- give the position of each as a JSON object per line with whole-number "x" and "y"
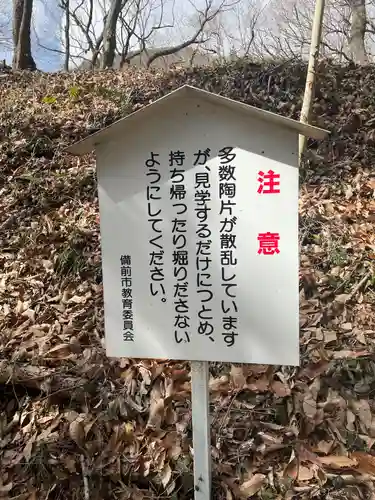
{"x": 94, "y": 59}
{"x": 109, "y": 34}
{"x": 357, "y": 31}
{"x": 17, "y": 19}
{"x": 67, "y": 34}
{"x": 22, "y": 58}
{"x": 316, "y": 36}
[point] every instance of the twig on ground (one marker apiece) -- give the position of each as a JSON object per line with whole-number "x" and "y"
{"x": 85, "y": 477}
{"x": 359, "y": 285}
{"x": 353, "y": 480}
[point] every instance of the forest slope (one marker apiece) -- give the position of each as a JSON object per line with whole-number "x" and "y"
{"x": 74, "y": 424}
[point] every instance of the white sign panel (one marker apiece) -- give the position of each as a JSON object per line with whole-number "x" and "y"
{"x": 200, "y": 256}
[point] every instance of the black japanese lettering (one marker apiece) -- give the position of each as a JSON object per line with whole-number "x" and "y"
{"x": 155, "y": 221}
{"x": 180, "y": 255}
{"x": 228, "y": 237}
{"x": 203, "y": 259}
{"x": 126, "y": 298}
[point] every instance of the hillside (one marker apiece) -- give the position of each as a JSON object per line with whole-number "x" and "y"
{"x": 76, "y": 425}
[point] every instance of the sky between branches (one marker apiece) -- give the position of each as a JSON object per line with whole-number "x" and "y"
{"x": 282, "y": 28}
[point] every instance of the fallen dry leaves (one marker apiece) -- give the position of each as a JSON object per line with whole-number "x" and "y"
{"x": 252, "y": 486}
{"x": 74, "y": 423}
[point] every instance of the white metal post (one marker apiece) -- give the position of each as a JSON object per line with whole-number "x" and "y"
{"x": 200, "y": 398}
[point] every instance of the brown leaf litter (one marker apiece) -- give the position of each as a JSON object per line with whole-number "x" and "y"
{"x": 74, "y": 424}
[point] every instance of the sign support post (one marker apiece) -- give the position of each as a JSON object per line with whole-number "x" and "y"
{"x": 200, "y": 399}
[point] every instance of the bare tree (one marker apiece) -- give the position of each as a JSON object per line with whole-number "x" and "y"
{"x": 358, "y": 31}
{"x": 247, "y": 20}
{"x": 86, "y": 38}
{"x": 129, "y": 20}
{"x": 286, "y": 33}
{"x": 203, "y": 16}
{"x": 249, "y": 17}
{"x": 65, "y": 6}
{"x": 233, "y": 31}
{"x": 22, "y": 12}
{"x": 130, "y": 28}
{"x": 110, "y": 33}
{"x": 346, "y": 30}
{"x": 63, "y": 36}
{"x": 139, "y": 24}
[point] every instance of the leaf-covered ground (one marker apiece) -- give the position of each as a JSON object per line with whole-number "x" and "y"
{"x": 76, "y": 425}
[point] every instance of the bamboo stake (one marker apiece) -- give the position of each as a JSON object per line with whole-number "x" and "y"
{"x": 311, "y": 70}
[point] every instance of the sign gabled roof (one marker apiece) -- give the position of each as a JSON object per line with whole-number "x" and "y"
{"x": 89, "y": 143}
